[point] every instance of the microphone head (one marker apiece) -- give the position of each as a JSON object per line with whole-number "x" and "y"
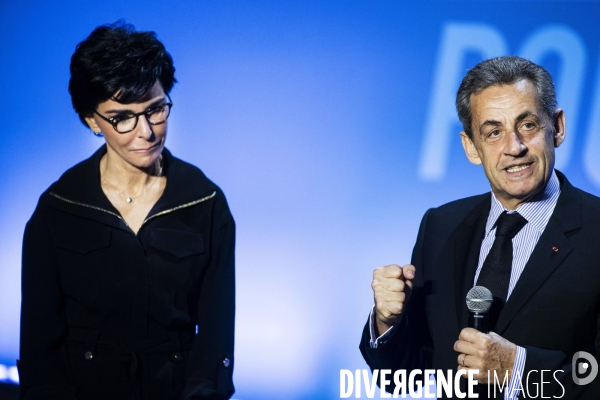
{"x": 479, "y": 299}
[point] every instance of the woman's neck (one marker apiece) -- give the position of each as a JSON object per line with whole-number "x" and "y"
{"x": 120, "y": 174}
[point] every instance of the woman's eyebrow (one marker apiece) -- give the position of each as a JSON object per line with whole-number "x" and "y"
{"x": 126, "y": 111}
{"x": 157, "y": 102}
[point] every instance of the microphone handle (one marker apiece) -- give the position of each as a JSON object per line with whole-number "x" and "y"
{"x": 479, "y": 321}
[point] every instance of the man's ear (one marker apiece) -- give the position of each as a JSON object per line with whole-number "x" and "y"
{"x": 470, "y": 149}
{"x": 91, "y": 121}
{"x": 560, "y": 127}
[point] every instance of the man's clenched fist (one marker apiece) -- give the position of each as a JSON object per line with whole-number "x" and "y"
{"x": 392, "y": 286}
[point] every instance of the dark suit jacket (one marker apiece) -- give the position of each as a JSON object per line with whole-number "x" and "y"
{"x": 107, "y": 314}
{"x": 553, "y": 311}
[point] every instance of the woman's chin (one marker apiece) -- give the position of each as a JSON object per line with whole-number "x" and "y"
{"x": 144, "y": 159}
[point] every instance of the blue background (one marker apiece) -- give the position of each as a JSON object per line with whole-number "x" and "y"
{"x": 330, "y": 127}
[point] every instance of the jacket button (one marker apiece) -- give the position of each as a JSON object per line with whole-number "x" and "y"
{"x": 177, "y": 356}
{"x": 226, "y": 362}
{"x": 88, "y": 355}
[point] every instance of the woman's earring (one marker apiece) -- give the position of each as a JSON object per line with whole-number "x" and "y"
{"x": 99, "y": 133}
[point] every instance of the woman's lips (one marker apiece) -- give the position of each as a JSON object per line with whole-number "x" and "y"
{"x": 146, "y": 150}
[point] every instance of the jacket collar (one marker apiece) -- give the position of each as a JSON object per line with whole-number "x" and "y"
{"x": 78, "y": 190}
{"x": 467, "y": 244}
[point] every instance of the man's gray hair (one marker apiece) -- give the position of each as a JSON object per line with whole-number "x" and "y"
{"x": 503, "y": 71}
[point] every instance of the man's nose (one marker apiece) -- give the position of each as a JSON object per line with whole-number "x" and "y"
{"x": 514, "y": 145}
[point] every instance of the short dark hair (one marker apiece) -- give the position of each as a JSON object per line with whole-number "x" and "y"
{"x": 504, "y": 71}
{"x": 117, "y": 62}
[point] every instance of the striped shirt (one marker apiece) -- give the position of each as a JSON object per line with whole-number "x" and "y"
{"x": 537, "y": 212}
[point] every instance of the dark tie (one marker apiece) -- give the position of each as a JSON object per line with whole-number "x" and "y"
{"x": 496, "y": 269}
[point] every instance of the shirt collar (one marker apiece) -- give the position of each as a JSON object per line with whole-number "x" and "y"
{"x": 537, "y": 211}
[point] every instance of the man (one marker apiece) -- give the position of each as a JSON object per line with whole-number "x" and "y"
{"x": 534, "y": 241}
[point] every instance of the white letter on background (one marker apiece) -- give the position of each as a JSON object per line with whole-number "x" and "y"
{"x": 457, "y": 390}
{"x": 444, "y": 383}
{"x": 370, "y": 386}
{"x": 457, "y": 40}
{"x": 569, "y": 47}
{"x": 412, "y": 383}
{"x": 591, "y": 149}
{"x": 427, "y": 383}
{"x": 383, "y": 382}
{"x": 346, "y": 375}
{"x": 400, "y": 383}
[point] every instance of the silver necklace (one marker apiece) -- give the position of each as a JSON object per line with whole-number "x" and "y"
{"x": 130, "y": 199}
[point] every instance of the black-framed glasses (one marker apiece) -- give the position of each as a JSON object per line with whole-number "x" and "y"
{"x": 127, "y": 122}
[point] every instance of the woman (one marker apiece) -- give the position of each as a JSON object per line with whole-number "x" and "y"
{"x": 128, "y": 259}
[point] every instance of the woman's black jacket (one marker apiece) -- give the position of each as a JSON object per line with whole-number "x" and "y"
{"x": 108, "y": 314}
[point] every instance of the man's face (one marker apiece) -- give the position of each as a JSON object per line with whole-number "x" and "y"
{"x": 514, "y": 140}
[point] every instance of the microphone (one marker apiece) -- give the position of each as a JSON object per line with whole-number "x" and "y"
{"x": 479, "y": 302}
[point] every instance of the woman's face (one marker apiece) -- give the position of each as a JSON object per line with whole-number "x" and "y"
{"x": 143, "y": 145}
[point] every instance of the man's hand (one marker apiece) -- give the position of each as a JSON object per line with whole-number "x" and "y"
{"x": 392, "y": 286}
{"x": 485, "y": 352}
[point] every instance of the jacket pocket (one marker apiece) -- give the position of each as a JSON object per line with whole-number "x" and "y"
{"x": 177, "y": 243}
{"x": 82, "y": 238}
{"x": 91, "y": 365}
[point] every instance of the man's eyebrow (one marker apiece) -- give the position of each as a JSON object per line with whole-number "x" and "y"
{"x": 525, "y": 114}
{"x": 126, "y": 111}
{"x": 489, "y": 122}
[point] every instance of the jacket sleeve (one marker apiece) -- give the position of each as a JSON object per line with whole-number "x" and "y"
{"x": 555, "y": 369}
{"x": 410, "y": 345}
{"x": 42, "y": 366}
{"x": 210, "y": 366}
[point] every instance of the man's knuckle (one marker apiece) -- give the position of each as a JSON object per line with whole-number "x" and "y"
{"x": 396, "y": 308}
{"x": 383, "y": 312}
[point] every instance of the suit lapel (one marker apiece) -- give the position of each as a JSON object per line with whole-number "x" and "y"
{"x": 467, "y": 244}
{"x": 542, "y": 262}
{"x": 544, "y": 259}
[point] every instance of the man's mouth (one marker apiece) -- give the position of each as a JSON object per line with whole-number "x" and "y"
{"x": 517, "y": 168}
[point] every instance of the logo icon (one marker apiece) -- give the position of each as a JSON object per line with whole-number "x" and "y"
{"x": 582, "y": 367}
